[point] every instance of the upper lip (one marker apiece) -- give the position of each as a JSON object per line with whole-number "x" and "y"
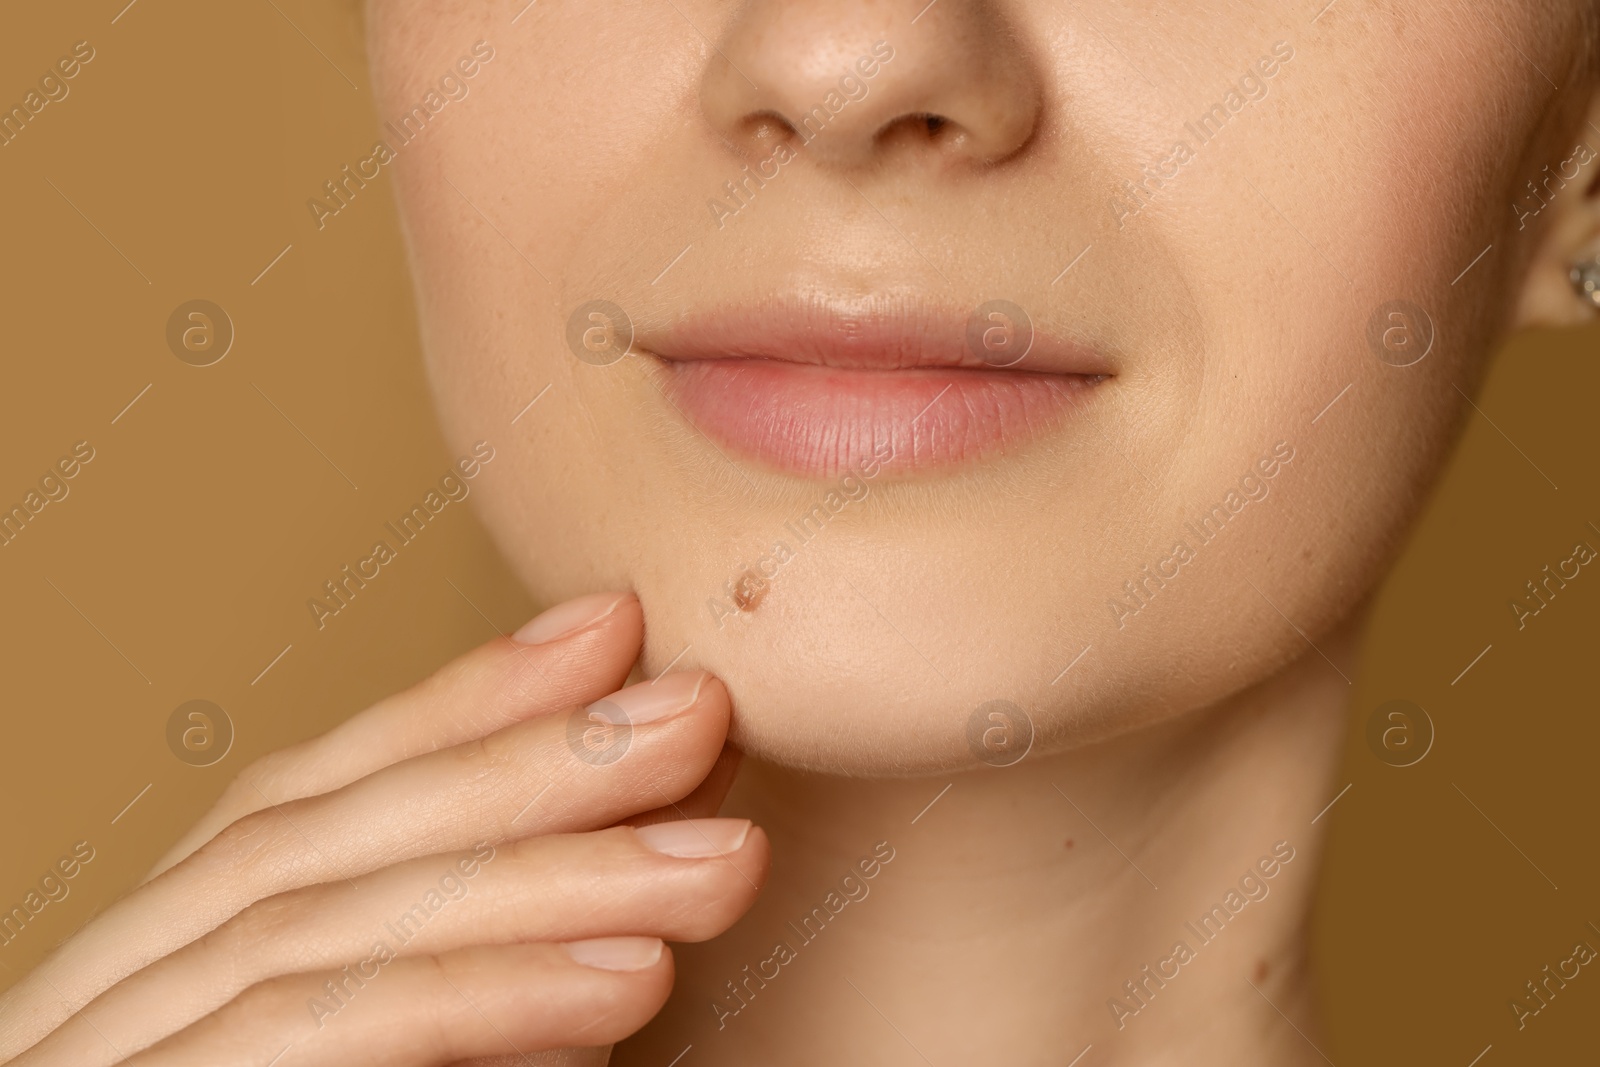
{"x": 875, "y": 335}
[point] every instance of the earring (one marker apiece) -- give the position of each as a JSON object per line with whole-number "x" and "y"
{"x": 1585, "y": 276}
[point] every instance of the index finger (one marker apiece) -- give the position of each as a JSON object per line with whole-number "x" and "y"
{"x": 573, "y": 654}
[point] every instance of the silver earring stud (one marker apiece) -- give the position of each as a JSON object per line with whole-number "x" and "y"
{"x": 1585, "y": 277}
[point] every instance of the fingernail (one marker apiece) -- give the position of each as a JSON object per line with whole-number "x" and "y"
{"x": 694, "y": 839}
{"x": 653, "y": 701}
{"x": 616, "y": 953}
{"x": 566, "y": 619}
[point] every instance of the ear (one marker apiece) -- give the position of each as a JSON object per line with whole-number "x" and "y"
{"x": 1563, "y": 201}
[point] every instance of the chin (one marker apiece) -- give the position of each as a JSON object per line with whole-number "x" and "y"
{"x": 843, "y": 669}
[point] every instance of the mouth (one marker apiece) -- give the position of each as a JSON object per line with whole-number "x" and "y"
{"x": 817, "y": 389}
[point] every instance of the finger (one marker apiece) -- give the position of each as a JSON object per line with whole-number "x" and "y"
{"x": 561, "y": 1057}
{"x": 706, "y": 799}
{"x": 527, "y": 779}
{"x": 705, "y": 802}
{"x": 686, "y": 881}
{"x": 574, "y": 653}
{"x": 421, "y": 1011}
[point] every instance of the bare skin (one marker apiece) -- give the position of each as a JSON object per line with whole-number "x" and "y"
{"x": 1183, "y": 731}
{"x": 988, "y": 912}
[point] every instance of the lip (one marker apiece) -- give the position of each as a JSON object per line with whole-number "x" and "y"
{"x": 818, "y": 389}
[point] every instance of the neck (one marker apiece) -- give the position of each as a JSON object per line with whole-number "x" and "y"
{"x": 1148, "y": 896}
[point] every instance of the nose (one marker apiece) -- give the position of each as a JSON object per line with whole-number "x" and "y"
{"x": 853, "y": 81}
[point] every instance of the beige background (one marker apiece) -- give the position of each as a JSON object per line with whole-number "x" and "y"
{"x": 180, "y": 563}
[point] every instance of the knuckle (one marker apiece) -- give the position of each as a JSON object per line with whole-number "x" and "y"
{"x": 266, "y": 922}
{"x": 497, "y": 768}
{"x": 527, "y": 851}
{"x": 244, "y": 793}
{"x": 493, "y": 757}
{"x": 241, "y": 841}
{"x": 519, "y": 756}
{"x": 278, "y": 777}
{"x": 276, "y": 997}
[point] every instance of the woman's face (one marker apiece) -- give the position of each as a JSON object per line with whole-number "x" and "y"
{"x": 1247, "y": 240}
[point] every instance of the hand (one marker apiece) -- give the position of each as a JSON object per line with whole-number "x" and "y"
{"x": 442, "y": 877}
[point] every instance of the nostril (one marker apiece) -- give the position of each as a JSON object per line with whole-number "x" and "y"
{"x": 766, "y": 128}
{"x": 919, "y": 130}
{"x": 812, "y": 77}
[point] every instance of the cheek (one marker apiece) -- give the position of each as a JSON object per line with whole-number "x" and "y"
{"x": 555, "y": 148}
{"x": 1370, "y": 175}
{"x": 512, "y": 209}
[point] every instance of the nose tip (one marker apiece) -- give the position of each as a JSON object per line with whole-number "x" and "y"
{"x": 852, "y": 86}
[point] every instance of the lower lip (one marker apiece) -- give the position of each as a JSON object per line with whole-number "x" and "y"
{"x": 822, "y": 422}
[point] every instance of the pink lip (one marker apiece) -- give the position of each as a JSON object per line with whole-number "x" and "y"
{"x": 817, "y": 391}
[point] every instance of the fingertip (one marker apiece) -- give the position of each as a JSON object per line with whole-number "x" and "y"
{"x": 712, "y": 691}
{"x": 572, "y": 617}
{"x": 617, "y": 953}
{"x": 694, "y": 838}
